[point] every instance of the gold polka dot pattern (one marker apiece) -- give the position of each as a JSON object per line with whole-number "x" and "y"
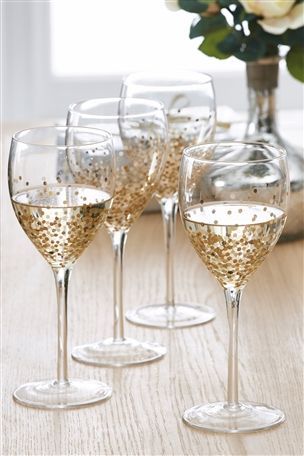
{"x": 61, "y": 221}
{"x": 138, "y": 171}
{"x": 233, "y": 239}
{"x": 184, "y": 131}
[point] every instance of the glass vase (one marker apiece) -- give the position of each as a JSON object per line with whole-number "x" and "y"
{"x": 262, "y": 82}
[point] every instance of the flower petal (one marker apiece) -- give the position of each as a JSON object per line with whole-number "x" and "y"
{"x": 276, "y": 26}
{"x": 296, "y": 16}
{"x": 172, "y": 5}
{"x": 267, "y": 8}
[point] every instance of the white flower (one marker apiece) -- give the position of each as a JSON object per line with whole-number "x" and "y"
{"x": 172, "y": 5}
{"x": 268, "y": 8}
{"x": 293, "y": 20}
{"x": 278, "y": 15}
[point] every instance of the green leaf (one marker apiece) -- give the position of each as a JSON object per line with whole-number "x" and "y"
{"x": 271, "y": 50}
{"x": 251, "y": 49}
{"x": 224, "y": 3}
{"x": 194, "y": 6}
{"x": 257, "y": 31}
{"x": 288, "y": 38}
{"x": 292, "y": 37}
{"x": 231, "y": 43}
{"x": 207, "y": 25}
{"x": 210, "y": 44}
{"x": 295, "y": 62}
{"x": 250, "y": 17}
{"x": 238, "y": 14}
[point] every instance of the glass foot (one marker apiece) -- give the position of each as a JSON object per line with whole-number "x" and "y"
{"x": 66, "y": 395}
{"x": 245, "y": 417}
{"x": 163, "y": 316}
{"x": 118, "y": 353}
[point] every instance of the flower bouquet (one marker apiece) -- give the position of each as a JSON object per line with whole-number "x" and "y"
{"x": 254, "y": 31}
{"x": 249, "y": 29}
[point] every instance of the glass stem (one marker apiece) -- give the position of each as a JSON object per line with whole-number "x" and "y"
{"x": 169, "y": 209}
{"x": 118, "y": 241}
{"x": 233, "y": 297}
{"x": 62, "y": 276}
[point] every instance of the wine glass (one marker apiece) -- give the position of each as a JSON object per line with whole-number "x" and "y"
{"x": 61, "y": 211}
{"x": 190, "y": 108}
{"x": 233, "y": 200}
{"x": 139, "y": 130}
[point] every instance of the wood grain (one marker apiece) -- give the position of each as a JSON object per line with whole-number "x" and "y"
{"x": 143, "y": 417}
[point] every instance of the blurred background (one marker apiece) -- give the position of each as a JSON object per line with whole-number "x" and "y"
{"x": 59, "y": 52}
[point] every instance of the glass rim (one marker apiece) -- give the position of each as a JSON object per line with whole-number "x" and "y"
{"x": 155, "y": 106}
{"x": 187, "y": 152}
{"x": 127, "y": 80}
{"x": 107, "y": 135}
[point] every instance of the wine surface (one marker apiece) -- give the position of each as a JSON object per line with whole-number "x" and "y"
{"x": 233, "y": 239}
{"x": 60, "y": 220}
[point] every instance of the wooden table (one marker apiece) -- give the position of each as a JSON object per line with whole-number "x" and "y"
{"x": 143, "y": 417}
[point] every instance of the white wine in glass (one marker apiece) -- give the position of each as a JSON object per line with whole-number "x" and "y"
{"x": 241, "y": 234}
{"x": 61, "y": 216}
{"x": 233, "y": 199}
{"x": 61, "y": 221}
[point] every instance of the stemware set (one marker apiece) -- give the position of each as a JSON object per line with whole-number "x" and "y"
{"x": 101, "y": 169}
